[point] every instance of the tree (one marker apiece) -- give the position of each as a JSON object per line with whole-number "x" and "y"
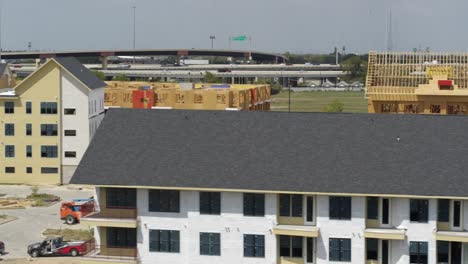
{"x": 355, "y": 67}
{"x": 335, "y": 107}
{"x": 211, "y": 78}
{"x": 99, "y": 74}
{"x": 121, "y": 78}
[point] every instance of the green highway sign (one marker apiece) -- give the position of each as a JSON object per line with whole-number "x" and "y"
{"x": 239, "y": 38}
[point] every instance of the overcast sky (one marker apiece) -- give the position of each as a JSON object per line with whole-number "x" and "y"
{"x": 275, "y": 25}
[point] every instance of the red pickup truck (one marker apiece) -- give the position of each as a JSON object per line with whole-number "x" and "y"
{"x": 55, "y": 246}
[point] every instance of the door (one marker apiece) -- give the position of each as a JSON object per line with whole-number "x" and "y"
{"x": 385, "y": 252}
{"x": 455, "y": 253}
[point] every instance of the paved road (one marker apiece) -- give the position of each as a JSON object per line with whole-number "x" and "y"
{"x": 32, "y": 221}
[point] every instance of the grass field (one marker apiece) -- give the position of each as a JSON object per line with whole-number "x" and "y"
{"x": 353, "y": 102}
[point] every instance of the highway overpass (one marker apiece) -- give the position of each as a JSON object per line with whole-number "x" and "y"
{"x": 104, "y": 54}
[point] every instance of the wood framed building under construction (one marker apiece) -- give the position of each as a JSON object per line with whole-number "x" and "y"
{"x": 417, "y": 83}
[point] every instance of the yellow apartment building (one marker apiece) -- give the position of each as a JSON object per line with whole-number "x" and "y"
{"x": 47, "y": 122}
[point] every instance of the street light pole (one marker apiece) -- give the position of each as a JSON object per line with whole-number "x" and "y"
{"x": 134, "y": 28}
{"x": 212, "y": 41}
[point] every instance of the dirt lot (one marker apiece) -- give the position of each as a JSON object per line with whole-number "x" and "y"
{"x": 57, "y": 260}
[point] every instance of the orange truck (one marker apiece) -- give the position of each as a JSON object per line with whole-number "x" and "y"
{"x": 72, "y": 212}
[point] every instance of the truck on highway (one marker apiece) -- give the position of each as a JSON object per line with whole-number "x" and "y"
{"x": 55, "y": 246}
{"x": 194, "y": 62}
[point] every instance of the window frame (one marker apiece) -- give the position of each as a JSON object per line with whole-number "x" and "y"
{"x": 29, "y": 129}
{"x": 372, "y": 208}
{"x": 9, "y": 107}
{"x": 49, "y": 170}
{"x": 443, "y": 210}
{"x": 340, "y": 250}
{"x": 418, "y": 253}
{"x": 67, "y": 154}
{"x": 156, "y": 197}
{"x": 121, "y": 198}
{"x": 341, "y": 212}
{"x": 126, "y": 239}
{"x": 255, "y": 246}
{"x": 289, "y": 207}
{"x": 73, "y": 110}
{"x": 29, "y": 170}
{"x": 29, "y": 152}
{"x": 254, "y": 204}
{"x": 10, "y": 151}
{"x": 49, "y": 108}
{"x": 173, "y": 245}
{"x": 28, "y": 108}
{"x": 10, "y": 170}
{"x": 292, "y": 242}
{"x": 49, "y": 151}
{"x": 9, "y": 129}
{"x": 71, "y": 132}
{"x": 49, "y": 130}
{"x": 212, "y": 206}
{"x": 213, "y": 245}
{"x": 417, "y": 213}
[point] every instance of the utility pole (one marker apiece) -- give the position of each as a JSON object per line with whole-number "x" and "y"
{"x": 212, "y": 41}
{"x": 336, "y": 54}
{"x": 29, "y": 45}
{"x": 134, "y": 28}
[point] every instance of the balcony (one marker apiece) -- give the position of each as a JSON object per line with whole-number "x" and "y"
{"x": 296, "y": 230}
{"x": 104, "y": 254}
{"x": 112, "y": 217}
{"x": 385, "y": 233}
{"x": 452, "y": 236}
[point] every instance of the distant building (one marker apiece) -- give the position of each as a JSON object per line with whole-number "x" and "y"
{"x": 197, "y": 187}
{"x": 418, "y": 83}
{"x": 7, "y": 80}
{"x": 48, "y": 121}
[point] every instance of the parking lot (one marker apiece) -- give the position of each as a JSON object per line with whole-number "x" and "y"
{"x": 31, "y": 222}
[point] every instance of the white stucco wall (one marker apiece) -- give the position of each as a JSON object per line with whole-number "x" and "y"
{"x": 74, "y": 95}
{"x": 231, "y": 224}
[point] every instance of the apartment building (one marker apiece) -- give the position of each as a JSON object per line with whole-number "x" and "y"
{"x": 234, "y": 187}
{"x": 417, "y": 83}
{"x": 48, "y": 120}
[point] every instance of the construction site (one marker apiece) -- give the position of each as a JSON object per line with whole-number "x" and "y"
{"x": 417, "y": 82}
{"x": 196, "y": 96}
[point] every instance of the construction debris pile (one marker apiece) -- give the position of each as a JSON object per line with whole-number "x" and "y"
{"x": 199, "y": 96}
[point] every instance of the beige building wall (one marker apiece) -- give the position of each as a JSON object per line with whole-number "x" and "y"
{"x": 43, "y": 86}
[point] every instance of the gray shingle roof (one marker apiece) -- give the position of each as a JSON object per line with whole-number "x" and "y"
{"x": 305, "y": 152}
{"x": 81, "y": 72}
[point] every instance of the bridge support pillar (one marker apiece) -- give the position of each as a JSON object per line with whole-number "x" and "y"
{"x": 104, "y": 62}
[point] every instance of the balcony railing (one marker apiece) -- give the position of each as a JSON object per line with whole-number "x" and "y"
{"x": 113, "y": 253}
{"x": 113, "y": 213}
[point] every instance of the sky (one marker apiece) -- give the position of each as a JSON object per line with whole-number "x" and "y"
{"x": 297, "y": 26}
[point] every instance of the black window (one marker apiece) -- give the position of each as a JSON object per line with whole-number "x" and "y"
{"x": 254, "y": 204}
{"x": 385, "y": 211}
{"x": 254, "y": 246}
{"x": 340, "y": 249}
{"x": 28, "y": 107}
{"x": 28, "y": 129}
{"x": 28, "y": 151}
{"x": 340, "y": 208}
{"x": 49, "y": 151}
{"x": 372, "y": 208}
{"x": 310, "y": 250}
{"x": 164, "y": 201}
{"x": 443, "y": 251}
{"x": 48, "y": 130}
{"x": 310, "y": 209}
{"x": 9, "y": 129}
{"x": 290, "y": 205}
{"x": 419, "y": 210}
{"x": 120, "y": 198}
{"x": 70, "y": 133}
{"x": 164, "y": 241}
{"x": 70, "y": 111}
{"x": 9, "y": 107}
{"x": 28, "y": 170}
{"x": 9, "y": 151}
{"x": 70, "y": 154}
{"x": 291, "y": 246}
{"x": 210, "y": 244}
{"x": 49, "y": 170}
{"x": 372, "y": 247}
{"x": 9, "y": 169}
{"x": 418, "y": 252}
{"x": 443, "y": 210}
{"x": 456, "y": 213}
{"x": 48, "y": 108}
{"x": 121, "y": 237}
{"x": 210, "y": 203}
